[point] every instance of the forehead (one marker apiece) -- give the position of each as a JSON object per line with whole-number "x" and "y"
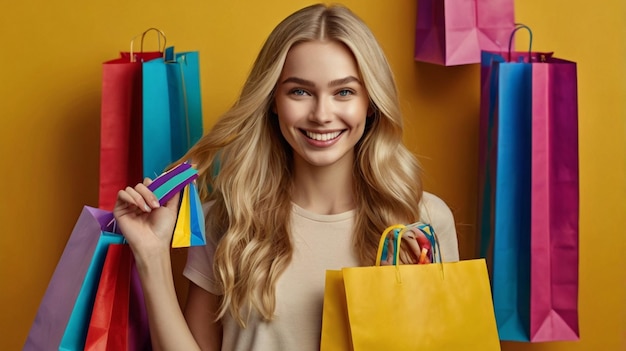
{"x": 320, "y": 60}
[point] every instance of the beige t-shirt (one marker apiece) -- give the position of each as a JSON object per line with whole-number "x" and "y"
{"x": 320, "y": 242}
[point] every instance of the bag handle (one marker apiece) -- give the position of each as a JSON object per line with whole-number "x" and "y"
{"x": 143, "y": 35}
{"x": 383, "y": 237}
{"x": 404, "y": 229}
{"x": 519, "y": 26}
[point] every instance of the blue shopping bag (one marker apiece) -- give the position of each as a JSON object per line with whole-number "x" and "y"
{"x": 172, "y": 109}
{"x": 505, "y": 205}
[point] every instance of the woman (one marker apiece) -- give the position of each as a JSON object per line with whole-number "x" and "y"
{"x": 312, "y": 169}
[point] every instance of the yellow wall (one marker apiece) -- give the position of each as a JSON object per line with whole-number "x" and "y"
{"x": 49, "y": 106}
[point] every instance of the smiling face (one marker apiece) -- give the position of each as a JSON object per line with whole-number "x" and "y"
{"x": 321, "y": 103}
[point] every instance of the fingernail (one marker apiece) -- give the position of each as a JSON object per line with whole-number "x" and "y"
{"x": 155, "y": 204}
{"x": 147, "y": 208}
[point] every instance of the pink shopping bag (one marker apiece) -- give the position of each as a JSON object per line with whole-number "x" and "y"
{"x": 453, "y": 32}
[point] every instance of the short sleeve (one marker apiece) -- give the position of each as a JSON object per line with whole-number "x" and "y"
{"x": 199, "y": 266}
{"x": 435, "y": 212}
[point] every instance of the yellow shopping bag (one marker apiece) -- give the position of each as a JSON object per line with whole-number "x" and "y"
{"x": 438, "y": 306}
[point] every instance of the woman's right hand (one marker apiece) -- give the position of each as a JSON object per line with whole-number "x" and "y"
{"x": 147, "y": 226}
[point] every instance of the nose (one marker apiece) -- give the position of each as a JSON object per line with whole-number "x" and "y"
{"x": 322, "y": 111}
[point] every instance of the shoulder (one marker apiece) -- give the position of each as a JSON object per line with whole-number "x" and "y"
{"x": 434, "y": 211}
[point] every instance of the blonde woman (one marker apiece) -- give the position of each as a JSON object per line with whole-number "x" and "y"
{"x": 312, "y": 169}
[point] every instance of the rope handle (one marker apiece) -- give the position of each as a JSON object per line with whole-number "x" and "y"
{"x": 143, "y": 35}
{"x": 519, "y": 26}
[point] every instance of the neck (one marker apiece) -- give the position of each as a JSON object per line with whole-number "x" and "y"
{"x": 323, "y": 190}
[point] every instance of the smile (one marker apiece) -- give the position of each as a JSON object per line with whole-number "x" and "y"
{"x": 322, "y": 136}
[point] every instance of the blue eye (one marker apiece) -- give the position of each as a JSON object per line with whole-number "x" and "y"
{"x": 299, "y": 92}
{"x": 345, "y": 92}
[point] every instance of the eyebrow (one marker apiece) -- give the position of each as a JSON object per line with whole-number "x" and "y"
{"x": 332, "y": 83}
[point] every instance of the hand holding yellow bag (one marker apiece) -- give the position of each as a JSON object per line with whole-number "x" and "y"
{"x": 439, "y": 306}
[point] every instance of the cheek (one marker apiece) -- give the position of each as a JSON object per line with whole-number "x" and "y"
{"x": 356, "y": 115}
{"x": 289, "y": 112}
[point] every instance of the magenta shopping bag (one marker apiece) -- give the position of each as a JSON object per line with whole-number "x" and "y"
{"x": 529, "y": 204}
{"x": 554, "y": 202}
{"x": 453, "y": 32}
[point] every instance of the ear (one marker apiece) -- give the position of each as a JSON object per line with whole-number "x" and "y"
{"x": 371, "y": 111}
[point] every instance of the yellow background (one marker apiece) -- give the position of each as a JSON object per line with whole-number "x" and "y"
{"x": 50, "y": 75}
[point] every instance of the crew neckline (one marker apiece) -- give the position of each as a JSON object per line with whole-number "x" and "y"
{"x": 322, "y": 217}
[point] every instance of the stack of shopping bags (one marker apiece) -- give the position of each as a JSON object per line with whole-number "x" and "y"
{"x": 529, "y": 194}
{"x": 528, "y": 211}
{"x": 150, "y": 116}
{"x": 94, "y": 299}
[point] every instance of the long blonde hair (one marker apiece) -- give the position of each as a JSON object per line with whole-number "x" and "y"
{"x": 250, "y": 214}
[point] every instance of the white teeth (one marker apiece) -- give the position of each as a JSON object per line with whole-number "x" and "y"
{"x": 322, "y": 137}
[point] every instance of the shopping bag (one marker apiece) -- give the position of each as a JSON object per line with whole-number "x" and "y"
{"x": 439, "y": 306}
{"x": 453, "y": 32}
{"x": 138, "y": 327}
{"x": 172, "y": 113}
{"x": 119, "y": 320}
{"x": 108, "y": 327}
{"x": 65, "y": 311}
{"x": 190, "y": 226}
{"x": 121, "y": 122}
{"x": 528, "y": 193}
{"x": 66, "y": 305}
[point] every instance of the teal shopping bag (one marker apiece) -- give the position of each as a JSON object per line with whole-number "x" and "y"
{"x": 78, "y": 324}
{"x": 172, "y": 109}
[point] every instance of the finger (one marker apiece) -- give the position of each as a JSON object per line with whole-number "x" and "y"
{"x": 406, "y": 257}
{"x": 413, "y": 246}
{"x": 132, "y": 197}
{"x": 148, "y": 196}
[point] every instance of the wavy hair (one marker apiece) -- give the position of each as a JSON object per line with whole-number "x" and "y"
{"x": 249, "y": 218}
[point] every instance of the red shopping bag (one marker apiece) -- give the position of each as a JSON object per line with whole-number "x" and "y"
{"x": 121, "y": 123}
{"x": 108, "y": 328}
{"x": 453, "y": 32}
